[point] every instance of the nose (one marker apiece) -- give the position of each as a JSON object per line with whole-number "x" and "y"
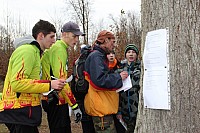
{"x": 77, "y": 38}
{"x": 54, "y": 40}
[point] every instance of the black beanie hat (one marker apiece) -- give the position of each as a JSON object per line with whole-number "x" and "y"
{"x": 131, "y": 47}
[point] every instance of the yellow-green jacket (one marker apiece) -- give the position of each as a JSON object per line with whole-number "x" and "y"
{"x": 22, "y": 86}
{"x": 55, "y": 60}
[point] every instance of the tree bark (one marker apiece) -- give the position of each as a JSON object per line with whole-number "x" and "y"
{"x": 183, "y": 19}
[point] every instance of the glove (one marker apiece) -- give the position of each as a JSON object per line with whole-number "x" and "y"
{"x": 53, "y": 97}
{"x": 78, "y": 114}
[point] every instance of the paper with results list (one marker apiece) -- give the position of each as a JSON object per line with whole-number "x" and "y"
{"x": 156, "y": 88}
{"x": 126, "y": 84}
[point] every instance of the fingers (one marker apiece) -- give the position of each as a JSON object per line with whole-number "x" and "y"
{"x": 58, "y": 84}
{"x": 119, "y": 116}
{"x": 124, "y": 74}
{"x": 78, "y": 117}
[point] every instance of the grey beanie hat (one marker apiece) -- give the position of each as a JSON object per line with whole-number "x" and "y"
{"x": 132, "y": 47}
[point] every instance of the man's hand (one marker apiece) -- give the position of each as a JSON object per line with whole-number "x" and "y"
{"x": 124, "y": 75}
{"x": 78, "y": 114}
{"x": 58, "y": 84}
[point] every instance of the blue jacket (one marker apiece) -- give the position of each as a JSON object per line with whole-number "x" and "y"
{"x": 97, "y": 67}
{"x": 101, "y": 98}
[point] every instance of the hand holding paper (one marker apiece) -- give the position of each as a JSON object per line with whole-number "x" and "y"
{"x": 66, "y": 81}
{"x": 126, "y": 84}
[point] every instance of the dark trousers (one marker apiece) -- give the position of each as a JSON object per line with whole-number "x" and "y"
{"x": 16, "y": 128}
{"x": 88, "y": 126}
{"x": 86, "y": 122}
{"x": 118, "y": 125}
{"x": 58, "y": 117}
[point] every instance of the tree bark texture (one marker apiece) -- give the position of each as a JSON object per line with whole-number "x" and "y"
{"x": 182, "y": 17}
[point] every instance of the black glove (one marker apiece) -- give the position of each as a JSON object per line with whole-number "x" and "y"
{"x": 53, "y": 97}
{"x": 78, "y": 114}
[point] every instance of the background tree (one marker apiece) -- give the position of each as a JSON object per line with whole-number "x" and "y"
{"x": 127, "y": 29}
{"x": 182, "y": 18}
{"x": 13, "y": 28}
{"x": 82, "y": 9}
{"x": 58, "y": 19}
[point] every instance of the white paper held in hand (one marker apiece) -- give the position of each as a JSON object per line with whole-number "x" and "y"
{"x": 126, "y": 84}
{"x": 47, "y": 93}
{"x": 67, "y": 80}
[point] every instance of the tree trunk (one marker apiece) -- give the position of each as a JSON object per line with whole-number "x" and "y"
{"x": 183, "y": 19}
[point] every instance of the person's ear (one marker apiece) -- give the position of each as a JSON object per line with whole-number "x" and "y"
{"x": 41, "y": 36}
{"x": 106, "y": 40}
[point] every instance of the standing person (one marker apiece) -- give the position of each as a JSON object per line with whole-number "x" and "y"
{"x": 101, "y": 101}
{"x": 80, "y": 87}
{"x": 129, "y": 99}
{"x": 55, "y": 63}
{"x": 20, "y": 105}
{"x": 114, "y": 64}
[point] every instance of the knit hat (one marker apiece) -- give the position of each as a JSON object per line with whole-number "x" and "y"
{"x": 103, "y": 35}
{"x": 131, "y": 47}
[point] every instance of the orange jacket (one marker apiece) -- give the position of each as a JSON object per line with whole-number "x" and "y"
{"x": 100, "y": 102}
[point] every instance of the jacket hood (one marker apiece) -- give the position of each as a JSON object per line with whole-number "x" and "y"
{"x": 23, "y": 40}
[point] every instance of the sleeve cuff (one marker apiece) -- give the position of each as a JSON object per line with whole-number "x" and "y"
{"x": 74, "y": 106}
{"x": 49, "y": 85}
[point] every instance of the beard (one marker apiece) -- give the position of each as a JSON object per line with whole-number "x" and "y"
{"x": 108, "y": 51}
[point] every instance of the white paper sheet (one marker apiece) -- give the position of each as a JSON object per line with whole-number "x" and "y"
{"x": 67, "y": 80}
{"x": 47, "y": 93}
{"x": 126, "y": 84}
{"x": 156, "y": 88}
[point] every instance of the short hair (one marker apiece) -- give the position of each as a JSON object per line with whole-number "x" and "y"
{"x": 43, "y": 26}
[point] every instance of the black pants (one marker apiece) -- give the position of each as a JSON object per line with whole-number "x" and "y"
{"x": 58, "y": 117}
{"x": 15, "y": 128}
{"x": 88, "y": 126}
{"x": 118, "y": 125}
{"x": 86, "y": 122}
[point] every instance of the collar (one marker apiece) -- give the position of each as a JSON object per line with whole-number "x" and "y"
{"x": 97, "y": 47}
{"x": 65, "y": 45}
{"x": 38, "y": 46}
{"x": 113, "y": 64}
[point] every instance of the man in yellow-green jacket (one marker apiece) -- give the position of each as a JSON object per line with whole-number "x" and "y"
{"x": 55, "y": 63}
{"x": 20, "y": 108}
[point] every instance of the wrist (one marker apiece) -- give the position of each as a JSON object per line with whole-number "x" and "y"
{"x": 75, "y": 106}
{"x": 119, "y": 113}
{"x": 49, "y": 85}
